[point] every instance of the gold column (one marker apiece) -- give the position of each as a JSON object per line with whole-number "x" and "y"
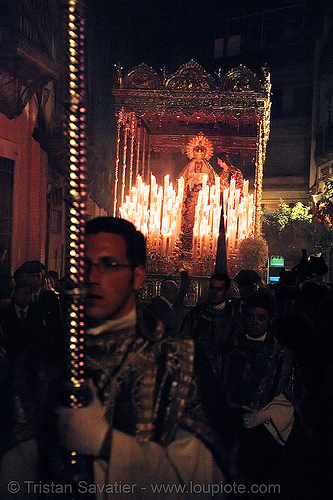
{"x": 262, "y": 138}
{"x": 124, "y": 164}
{"x": 132, "y": 134}
{"x": 148, "y": 160}
{"x": 138, "y": 148}
{"x": 116, "y": 170}
{"x": 143, "y": 163}
{"x": 258, "y": 183}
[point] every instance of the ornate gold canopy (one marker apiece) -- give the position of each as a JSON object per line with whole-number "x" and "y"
{"x": 163, "y": 113}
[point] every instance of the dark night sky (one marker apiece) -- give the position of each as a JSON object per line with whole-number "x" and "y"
{"x": 159, "y": 33}
{"x": 165, "y": 33}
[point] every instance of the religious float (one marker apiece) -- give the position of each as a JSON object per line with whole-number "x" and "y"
{"x": 170, "y": 130}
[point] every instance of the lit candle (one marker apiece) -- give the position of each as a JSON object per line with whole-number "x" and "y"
{"x": 246, "y": 188}
{"x": 157, "y": 212}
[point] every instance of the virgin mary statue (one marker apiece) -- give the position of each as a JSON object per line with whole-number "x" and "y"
{"x": 199, "y": 150}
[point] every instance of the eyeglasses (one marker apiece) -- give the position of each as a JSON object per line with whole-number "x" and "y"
{"x": 104, "y": 265}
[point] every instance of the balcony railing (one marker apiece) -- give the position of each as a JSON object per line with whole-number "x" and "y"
{"x": 26, "y": 60}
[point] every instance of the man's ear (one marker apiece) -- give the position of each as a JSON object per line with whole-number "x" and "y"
{"x": 139, "y": 275}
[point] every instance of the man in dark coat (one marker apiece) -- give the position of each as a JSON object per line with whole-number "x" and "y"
{"x": 145, "y": 424}
{"x": 44, "y": 300}
{"x": 213, "y": 322}
{"x": 169, "y": 305}
{"x": 265, "y": 392}
{"x": 21, "y": 323}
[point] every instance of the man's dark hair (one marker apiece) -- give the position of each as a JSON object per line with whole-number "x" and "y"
{"x": 168, "y": 285}
{"x": 52, "y": 274}
{"x": 225, "y": 158}
{"x": 263, "y": 299}
{"x": 222, "y": 277}
{"x": 134, "y": 239}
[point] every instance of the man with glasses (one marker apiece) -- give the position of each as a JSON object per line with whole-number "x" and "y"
{"x": 139, "y": 430}
{"x": 145, "y": 427}
{"x": 115, "y": 269}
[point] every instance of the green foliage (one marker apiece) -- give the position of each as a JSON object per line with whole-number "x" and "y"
{"x": 328, "y": 190}
{"x": 289, "y": 229}
{"x": 253, "y": 254}
{"x": 281, "y": 218}
{"x": 301, "y": 212}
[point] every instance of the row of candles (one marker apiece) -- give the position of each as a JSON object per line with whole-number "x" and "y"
{"x": 157, "y": 212}
{"x": 207, "y": 219}
{"x": 238, "y": 210}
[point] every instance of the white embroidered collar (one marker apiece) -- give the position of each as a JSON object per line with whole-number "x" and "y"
{"x": 258, "y": 339}
{"x": 115, "y": 324}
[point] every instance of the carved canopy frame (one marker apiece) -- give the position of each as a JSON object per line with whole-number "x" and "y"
{"x": 164, "y": 112}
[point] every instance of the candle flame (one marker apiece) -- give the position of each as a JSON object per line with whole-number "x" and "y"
{"x": 156, "y": 211}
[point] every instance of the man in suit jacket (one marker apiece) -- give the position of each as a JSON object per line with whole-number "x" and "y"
{"x": 20, "y": 323}
{"x": 168, "y": 307}
{"x": 162, "y": 306}
{"x": 44, "y": 300}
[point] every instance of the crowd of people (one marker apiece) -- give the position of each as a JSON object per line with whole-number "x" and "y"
{"x": 230, "y": 397}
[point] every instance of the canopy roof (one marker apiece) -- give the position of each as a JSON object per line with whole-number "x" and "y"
{"x": 173, "y": 107}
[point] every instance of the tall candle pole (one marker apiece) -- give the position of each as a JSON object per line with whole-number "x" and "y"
{"x": 76, "y": 390}
{"x": 77, "y": 192}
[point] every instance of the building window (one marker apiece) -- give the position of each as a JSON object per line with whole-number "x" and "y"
{"x": 55, "y": 221}
{"x": 56, "y": 196}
